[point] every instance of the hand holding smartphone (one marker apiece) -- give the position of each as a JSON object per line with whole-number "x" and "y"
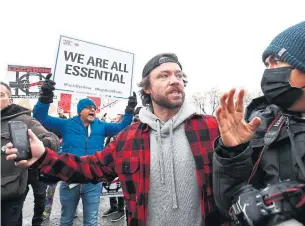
{"x": 20, "y": 140}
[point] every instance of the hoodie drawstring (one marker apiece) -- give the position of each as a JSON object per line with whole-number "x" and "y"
{"x": 172, "y": 176}
{"x": 160, "y": 152}
{"x": 171, "y": 160}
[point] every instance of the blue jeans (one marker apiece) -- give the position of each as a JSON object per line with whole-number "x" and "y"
{"x": 69, "y": 199}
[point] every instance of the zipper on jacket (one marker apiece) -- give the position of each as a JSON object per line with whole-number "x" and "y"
{"x": 86, "y": 145}
{"x": 292, "y": 174}
{"x": 87, "y": 138}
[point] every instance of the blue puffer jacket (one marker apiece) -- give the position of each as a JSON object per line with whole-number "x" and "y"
{"x": 74, "y": 133}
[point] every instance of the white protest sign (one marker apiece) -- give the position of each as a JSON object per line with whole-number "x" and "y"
{"x": 86, "y": 68}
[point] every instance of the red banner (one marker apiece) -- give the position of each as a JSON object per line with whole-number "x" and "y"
{"x": 97, "y": 102}
{"x": 65, "y": 102}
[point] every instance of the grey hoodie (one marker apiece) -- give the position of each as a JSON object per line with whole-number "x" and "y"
{"x": 174, "y": 197}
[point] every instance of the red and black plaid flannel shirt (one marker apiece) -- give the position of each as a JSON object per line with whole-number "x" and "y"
{"x": 129, "y": 158}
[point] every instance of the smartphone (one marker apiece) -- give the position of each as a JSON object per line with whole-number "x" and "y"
{"x": 20, "y": 139}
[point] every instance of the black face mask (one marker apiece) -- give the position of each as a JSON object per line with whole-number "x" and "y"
{"x": 277, "y": 89}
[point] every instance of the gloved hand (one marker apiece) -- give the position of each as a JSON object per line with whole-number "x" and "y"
{"x": 132, "y": 103}
{"x": 46, "y": 91}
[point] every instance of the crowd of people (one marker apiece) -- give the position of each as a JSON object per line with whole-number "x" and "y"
{"x": 176, "y": 167}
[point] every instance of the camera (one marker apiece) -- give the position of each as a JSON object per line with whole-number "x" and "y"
{"x": 272, "y": 205}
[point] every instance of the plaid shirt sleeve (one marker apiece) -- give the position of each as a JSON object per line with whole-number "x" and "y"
{"x": 73, "y": 169}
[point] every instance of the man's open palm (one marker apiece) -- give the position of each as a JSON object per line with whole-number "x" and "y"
{"x": 230, "y": 116}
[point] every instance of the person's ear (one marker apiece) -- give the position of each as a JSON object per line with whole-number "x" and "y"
{"x": 147, "y": 91}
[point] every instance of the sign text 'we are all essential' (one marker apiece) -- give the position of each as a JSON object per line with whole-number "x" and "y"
{"x": 93, "y": 73}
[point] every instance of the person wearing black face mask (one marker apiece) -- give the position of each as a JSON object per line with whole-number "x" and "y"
{"x": 266, "y": 145}
{"x": 277, "y": 88}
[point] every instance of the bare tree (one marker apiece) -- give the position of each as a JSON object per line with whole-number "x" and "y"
{"x": 213, "y": 98}
{"x": 249, "y": 96}
{"x": 207, "y": 101}
{"x": 199, "y": 101}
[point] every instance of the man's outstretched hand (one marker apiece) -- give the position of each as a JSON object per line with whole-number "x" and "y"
{"x": 234, "y": 130}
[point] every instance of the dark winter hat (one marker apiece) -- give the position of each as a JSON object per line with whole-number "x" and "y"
{"x": 158, "y": 60}
{"x": 84, "y": 103}
{"x": 289, "y": 46}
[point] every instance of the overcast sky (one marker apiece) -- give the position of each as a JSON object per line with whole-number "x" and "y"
{"x": 219, "y": 43}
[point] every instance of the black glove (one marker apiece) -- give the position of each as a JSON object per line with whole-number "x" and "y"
{"x": 132, "y": 103}
{"x": 46, "y": 91}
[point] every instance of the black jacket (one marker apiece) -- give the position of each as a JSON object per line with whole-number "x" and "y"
{"x": 232, "y": 166}
{"x": 13, "y": 178}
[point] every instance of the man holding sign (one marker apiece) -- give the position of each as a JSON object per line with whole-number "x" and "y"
{"x": 81, "y": 135}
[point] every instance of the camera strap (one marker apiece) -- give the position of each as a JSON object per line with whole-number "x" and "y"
{"x": 295, "y": 153}
{"x": 274, "y": 130}
{"x": 271, "y": 135}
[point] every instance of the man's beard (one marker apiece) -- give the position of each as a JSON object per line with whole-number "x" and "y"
{"x": 162, "y": 101}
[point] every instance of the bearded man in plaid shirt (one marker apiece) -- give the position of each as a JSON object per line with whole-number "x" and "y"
{"x": 164, "y": 161}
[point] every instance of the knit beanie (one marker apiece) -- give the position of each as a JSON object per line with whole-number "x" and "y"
{"x": 84, "y": 103}
{"x": 158, "y": 60}
{"x": 289, "y": 46}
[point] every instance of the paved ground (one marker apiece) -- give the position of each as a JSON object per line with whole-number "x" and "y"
{"x": 54, "y": 219}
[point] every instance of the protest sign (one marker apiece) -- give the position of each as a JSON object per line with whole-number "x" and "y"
{"x": 25, "y": 81}
{"x": 97, "y": 102}
{"x": 90, "y": 69}
{"x": 65, "y": 102}
{"x": 112, "y": 189}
